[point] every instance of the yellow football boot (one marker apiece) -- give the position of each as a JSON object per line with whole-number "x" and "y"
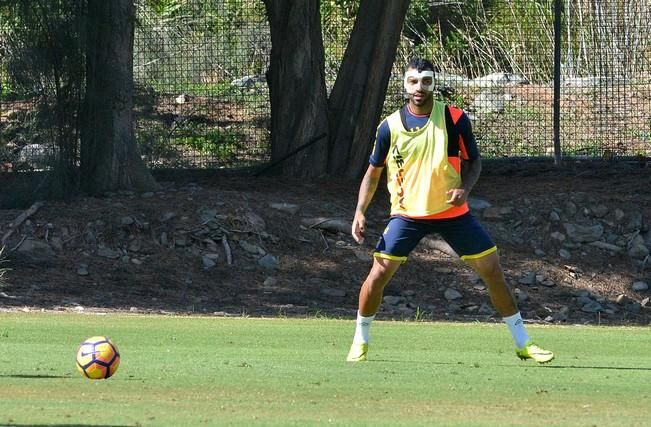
{"x": 532, "y": 351}
{"x": 357, "y": 352}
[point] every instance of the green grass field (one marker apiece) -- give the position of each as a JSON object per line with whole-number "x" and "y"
{"x": 193, "y": 371}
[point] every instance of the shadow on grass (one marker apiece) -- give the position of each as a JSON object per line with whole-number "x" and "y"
{"x": 34, "y": 376}
{"x": 45, "y": 376}
{"x": 63, "y": 425}
{"x": 609, "y": 368}
{"x": 428, "y": 362}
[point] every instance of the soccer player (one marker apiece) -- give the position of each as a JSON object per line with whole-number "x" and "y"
{"x": 432, "y": 163}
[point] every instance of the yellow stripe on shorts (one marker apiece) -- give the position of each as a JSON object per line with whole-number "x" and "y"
{"x": 391, "y": 257}
{"x": 481, "y": 254}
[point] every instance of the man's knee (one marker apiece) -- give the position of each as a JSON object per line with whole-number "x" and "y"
{"x": 382, "y": 271}
{"x": 488, "y": 265}
{"x": 379, "y": 276}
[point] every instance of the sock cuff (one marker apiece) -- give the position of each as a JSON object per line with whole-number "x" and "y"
{"x": 513, "y": 318}
{"x": 365, "y": 318}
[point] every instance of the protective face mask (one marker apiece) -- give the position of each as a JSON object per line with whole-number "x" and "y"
{"x": 415, "y": 80}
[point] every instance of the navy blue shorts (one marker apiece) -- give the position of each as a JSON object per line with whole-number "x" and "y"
{"x": 463, "y": 233}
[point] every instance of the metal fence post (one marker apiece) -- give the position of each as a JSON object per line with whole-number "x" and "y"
{"x": 558, "y": 10}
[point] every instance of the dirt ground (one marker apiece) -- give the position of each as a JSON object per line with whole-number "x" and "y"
{"x": 262, "y": 246}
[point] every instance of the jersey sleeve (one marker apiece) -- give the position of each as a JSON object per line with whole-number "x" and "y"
{"x": 467, "y": 142}
{"x": 382, "y": 143}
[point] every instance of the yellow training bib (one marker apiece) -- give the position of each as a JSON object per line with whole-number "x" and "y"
{"x": 419, "y": 173}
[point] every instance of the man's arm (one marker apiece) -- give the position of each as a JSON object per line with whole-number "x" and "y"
{"x": 366, "y": 192}
{"x": 470, "y": 162}
{"x": 470, "y": 171}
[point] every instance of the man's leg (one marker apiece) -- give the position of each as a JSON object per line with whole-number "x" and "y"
{"x": 489, "y": 269}
{"x": 370, "y": 295}
{"x": 370, "y": 298}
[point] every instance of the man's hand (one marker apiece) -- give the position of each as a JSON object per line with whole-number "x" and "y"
{"x": 359, "y": 222}
{"x": 456, "y": 196}
{"x": 366, "y": 191}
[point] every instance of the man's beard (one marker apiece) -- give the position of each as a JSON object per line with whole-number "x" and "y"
{"x": 420, "y": 98}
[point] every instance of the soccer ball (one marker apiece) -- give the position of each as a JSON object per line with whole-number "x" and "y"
{"x": 97, "y": 358}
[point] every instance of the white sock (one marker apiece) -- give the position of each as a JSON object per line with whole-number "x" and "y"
{"x": 362, "y": 328}
{"x": 516, "y": 327}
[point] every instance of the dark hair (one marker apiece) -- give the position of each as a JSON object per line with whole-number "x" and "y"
{"x": 420, "y": 64}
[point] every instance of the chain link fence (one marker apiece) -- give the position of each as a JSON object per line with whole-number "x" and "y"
{"x": 202, "y": 100}
{"x": 499, "y": 65}
{"x": 41, "y": 91}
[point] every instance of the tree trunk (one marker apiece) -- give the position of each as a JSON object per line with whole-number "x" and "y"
{"x": 356, "y": 101}
{"x": 296, "y": 79}
{"x": 110, "y": 159}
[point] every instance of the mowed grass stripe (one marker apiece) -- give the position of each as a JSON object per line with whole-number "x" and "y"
{"x": 240, "y": 371}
